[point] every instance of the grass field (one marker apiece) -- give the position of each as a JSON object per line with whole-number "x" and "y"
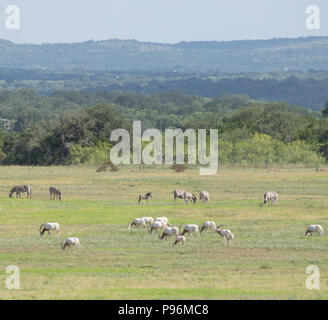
{"x": 268, "y": 260}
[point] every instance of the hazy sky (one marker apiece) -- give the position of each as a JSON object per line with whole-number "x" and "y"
{"x": 160, "y": 20}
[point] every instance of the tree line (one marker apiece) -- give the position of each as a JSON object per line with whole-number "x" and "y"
{"x": 74, "y": 127}
{"x": 298, "y": 88}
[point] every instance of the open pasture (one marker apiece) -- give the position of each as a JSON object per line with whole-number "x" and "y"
{"x": 268, "y": 259}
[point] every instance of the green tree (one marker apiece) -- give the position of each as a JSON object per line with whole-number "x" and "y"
{"x": 325, "y": 110}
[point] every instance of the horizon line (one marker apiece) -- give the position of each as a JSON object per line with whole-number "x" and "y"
{"x": 165, "y": 43}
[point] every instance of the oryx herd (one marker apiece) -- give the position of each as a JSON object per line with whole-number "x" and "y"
{"x": 162, "y": 224}
{"x": 54, "y": 226}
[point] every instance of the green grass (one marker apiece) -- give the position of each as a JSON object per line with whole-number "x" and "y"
{"x": 268, "y": 260}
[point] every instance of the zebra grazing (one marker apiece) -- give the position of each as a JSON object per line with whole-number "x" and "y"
{"x": 270, "y": 196}
{"x": 145, "y": 197}
{"x": 18, "y": 189}
{"x": 54, "y": 193}
{"x": 204, "y": 196}
{"x": 181, "y": 194}
{"x": 188, "y": 196}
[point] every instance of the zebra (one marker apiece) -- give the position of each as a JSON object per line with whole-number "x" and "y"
{"x": 54, "y": 193}
{"x": 178, "y": 194}
{"x": 204, "y": 196}
{"x": 189, "y": 196}
{"x": 270, "y": 196}
{"x": 18, "y": 189}
{"x": 145, "y": 197}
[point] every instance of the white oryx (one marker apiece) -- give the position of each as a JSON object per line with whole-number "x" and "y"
{"x": 208, "y": 225}
{"x": 191, "y": 228}
{"x": 170, "y": 231}
{"x": 71, "y": 242}
{"x": 270, "y": 196}
{"x": 314, "y": 228}
{"x": 156, "y": 225}
{"x": 162, "y": 219}
{"x": 149, "y": 220}
{"x": 204, "y": 196}
{"x": 137, "y": 222}
{"x": 179, "y": 239}
{"x": 48, "y": 227}
{"x": 225, "y": 233}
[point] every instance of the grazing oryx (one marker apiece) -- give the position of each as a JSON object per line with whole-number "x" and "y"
{"x": 157, "y": 224}
{"x": 225, "y": 233}
{"x": 23, "y": 188}
{"x": 163, "y": 219}
{"x": 71, "y": 242}
{"x": 270, "y": 196}
{"x": 170, "y": 231}
{"x": 204, "y": 196}
{"x": 178, "y": 194}
{"x": 208, "y": 225}
{"x": 49, "y": 226}
{"x": 149, "y": 220}
{"x": 145, "y": 197}
{"x": 137, "y": 222}
{"x": 191, "y": 228}
{"x": 314, "y": 228}
{"x": 179, "y": 239}
{"x": 189, "y": 196}
{"x": 54, "y": 193}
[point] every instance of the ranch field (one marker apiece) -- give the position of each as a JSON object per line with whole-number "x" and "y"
{"x": 268, "y": 260}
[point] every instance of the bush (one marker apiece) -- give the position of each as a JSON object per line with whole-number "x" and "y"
{"x": 179, "y": 167}
{"x": 261, "y": 150}
{"x": 86, "y": 155}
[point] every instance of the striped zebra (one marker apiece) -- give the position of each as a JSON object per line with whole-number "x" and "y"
{"x": 54, "y": 193}
{"x": 188, "y": 196}
{"x": 178, "y": 194}
{"x": 204, "y": 196}
{"x": 145, "y": 197}
{"x": 270, "y": 196}
{"x": 18, "y": 189}
{"x": 181, "y": 194}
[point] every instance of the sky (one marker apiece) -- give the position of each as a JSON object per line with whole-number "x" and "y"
{"x": 169, "y": 21}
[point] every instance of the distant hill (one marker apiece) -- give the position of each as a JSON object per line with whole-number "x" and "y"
{"x": 301, "y": 54}
{"x": 304, "y": 89}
